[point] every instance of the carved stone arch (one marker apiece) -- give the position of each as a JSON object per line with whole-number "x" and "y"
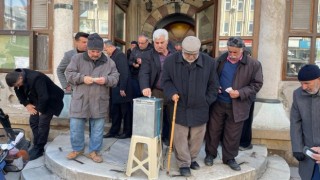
{"x": 163, "y": 11}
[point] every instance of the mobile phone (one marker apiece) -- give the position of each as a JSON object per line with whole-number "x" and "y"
{"x": 309, "y": 152}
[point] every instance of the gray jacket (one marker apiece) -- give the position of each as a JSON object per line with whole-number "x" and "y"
{"x": 63, "y": 65}
{"x": 305, "y": 127}
{"x": 90, "y": 101}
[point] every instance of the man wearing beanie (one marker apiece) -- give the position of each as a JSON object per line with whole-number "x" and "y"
{"x": 181, "y": 83}
{"x": 305, "y": 120}
{"x": 91, "y": 74}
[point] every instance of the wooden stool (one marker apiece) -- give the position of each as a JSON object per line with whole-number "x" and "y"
{"x": 153, "y": 157}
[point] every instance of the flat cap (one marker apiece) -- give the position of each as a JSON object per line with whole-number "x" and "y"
{"x": 191, "y": 45}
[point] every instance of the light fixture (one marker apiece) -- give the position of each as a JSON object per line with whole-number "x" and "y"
{"x": 149, "y": 5}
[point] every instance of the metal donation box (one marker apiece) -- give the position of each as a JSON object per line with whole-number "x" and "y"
{"x": 147, "y": 116}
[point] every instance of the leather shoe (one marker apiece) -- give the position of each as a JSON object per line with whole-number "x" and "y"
{"x": 208, "y": 160}
{"x": 233, "y": 164}
{"x": 185, "y": 171}
{"x": 36, "y": 153}
{"x": 108, "y": 135}
{"x": 194, "y": 165}
{"x": 124, "y": 136}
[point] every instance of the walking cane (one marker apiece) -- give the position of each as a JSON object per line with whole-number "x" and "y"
{"x": 171, "y": 136}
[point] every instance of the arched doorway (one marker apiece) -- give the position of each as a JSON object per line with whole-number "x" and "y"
{"x": 178, "y": 25}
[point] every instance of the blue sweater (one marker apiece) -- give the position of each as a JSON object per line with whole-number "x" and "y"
{"x": 226, "y": 79}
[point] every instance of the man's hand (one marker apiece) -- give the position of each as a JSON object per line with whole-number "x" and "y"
{"x": 146, "y": 92}
{"x": 139, "y": 61}
{"x": 234, "y": 94}
{"x": 316, "y": 156}
{"x": 135, "y": 65}
{"x": 68, "y": 89}
{"x": 31, "y": 109}
{"x": 175, "y": 98}
{"x": 122, "y": 93}
{"x": 88, "y": 80}
{"x": 100, "y": 80}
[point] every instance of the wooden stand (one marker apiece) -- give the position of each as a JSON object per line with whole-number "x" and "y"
{"x": 153, "y": 158}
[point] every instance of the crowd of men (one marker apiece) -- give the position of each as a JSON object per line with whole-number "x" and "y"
{"x": 215, "y": 97}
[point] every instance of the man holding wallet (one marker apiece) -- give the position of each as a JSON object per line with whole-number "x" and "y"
{"x": 305, "y": 120}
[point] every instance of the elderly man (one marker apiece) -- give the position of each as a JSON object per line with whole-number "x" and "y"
{"x": 92, "y": 74}
{"x": 180, "y": 81}
{"x": 305, "y": 120}
{"x": 42, "y": 99}
{"x": 240, "y": 78}
{"x": 121, "y": 95}
{"x": 138, "y": 55}
{"x": 81, "y": 39}
{"x": 151, "y": 73}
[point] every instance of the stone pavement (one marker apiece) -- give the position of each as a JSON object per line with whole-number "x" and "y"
{"x": 54, "y": 165}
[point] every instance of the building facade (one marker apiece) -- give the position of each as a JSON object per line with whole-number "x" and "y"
{"x": 282, "y": 34}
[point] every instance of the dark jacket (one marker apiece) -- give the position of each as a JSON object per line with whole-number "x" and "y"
{"x": 63, "y": 65}
{"x": 248, "y": 80}
{"x": 196, "y": 84}
{"x": 138, "y": 53}
{"x": 305, "y": 127}
{"x": 40, "y": 91}
{"x": 150, "y": 70}
{"x": 124, "y": 80}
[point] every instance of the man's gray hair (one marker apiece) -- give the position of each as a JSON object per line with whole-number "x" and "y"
{"x": 108, "y": 42}
{"x": 160, "y": 32}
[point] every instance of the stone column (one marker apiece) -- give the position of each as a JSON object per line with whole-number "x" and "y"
{"x": 63, "y": 32}
{"x": 270, "y": 112}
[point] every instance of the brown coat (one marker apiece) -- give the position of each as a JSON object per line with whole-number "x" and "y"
{"x": 248, "y": 80}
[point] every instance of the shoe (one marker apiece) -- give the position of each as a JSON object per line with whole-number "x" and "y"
{"x": 208, "y": 160}
{"x": 166, "y": 142}
{"x": 185, "y": 171}
{"x": 233, "y": 164}
{"x": 74, "y": 154}
{"x": 124, "y": 136}
{"x": 95, "y": 157}
{"x": 241, "y": 148}
{"x": 194, "y": 165}
{"x": 35, "y": 153}
{"x": 108, "y": 135}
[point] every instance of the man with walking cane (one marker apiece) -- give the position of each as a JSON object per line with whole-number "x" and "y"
{"x": 190, "y": 77}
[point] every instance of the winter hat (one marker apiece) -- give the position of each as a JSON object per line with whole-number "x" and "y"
{"x": 95, "y": 42}
{"x": 309, "y": 72}
{"x": 191, "y": 45}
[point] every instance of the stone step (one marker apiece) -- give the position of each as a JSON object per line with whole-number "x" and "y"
{"x": 115, "y": 153}
{"x": 277, "y": 168}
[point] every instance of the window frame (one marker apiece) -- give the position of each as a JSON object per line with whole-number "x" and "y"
{"x": 312, "y": 34}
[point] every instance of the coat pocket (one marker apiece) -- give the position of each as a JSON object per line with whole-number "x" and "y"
{"x": 76, "y": 102}
{"x": 104, "y": 104}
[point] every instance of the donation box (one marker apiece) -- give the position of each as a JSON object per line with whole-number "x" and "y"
{"x": 147, "y": 117}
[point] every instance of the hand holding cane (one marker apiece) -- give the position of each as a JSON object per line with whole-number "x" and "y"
{"x": 172, "y": 132}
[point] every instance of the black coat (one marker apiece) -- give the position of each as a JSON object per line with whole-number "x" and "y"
{"x": 39, "y": 90}
{"x": 138, "y": 53}
{"x": 150, "y": 70}
{"x": 196, "y": 84}
{"x": 124, "y": 80}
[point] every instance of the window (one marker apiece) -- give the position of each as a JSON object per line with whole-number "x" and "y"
{"x": 239, "y": 28}
{"x": 303, "y": 38}
{"x": 15, "y": 15}
{"x": 240, "y": 20}
{"x": 228, "y": 5}
{"x": 93, "y": 16}
{"x": 240, "y": 5}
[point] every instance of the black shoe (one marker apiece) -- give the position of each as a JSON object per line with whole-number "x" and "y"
{"x": 233, "y": 164}
{"x": 124, "y": 136}
{"x": 194, "y": 165}
{"x": 208, "y": 160}
{"x": 166, "y": 142}
{"x": 241, "y": 148}
{"x": 35, "y": 153}
{"x": 185, "y": 171}
{"x": 108, "y": 135}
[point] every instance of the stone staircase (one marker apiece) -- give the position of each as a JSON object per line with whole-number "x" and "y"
{"x": 255, "y": 164}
